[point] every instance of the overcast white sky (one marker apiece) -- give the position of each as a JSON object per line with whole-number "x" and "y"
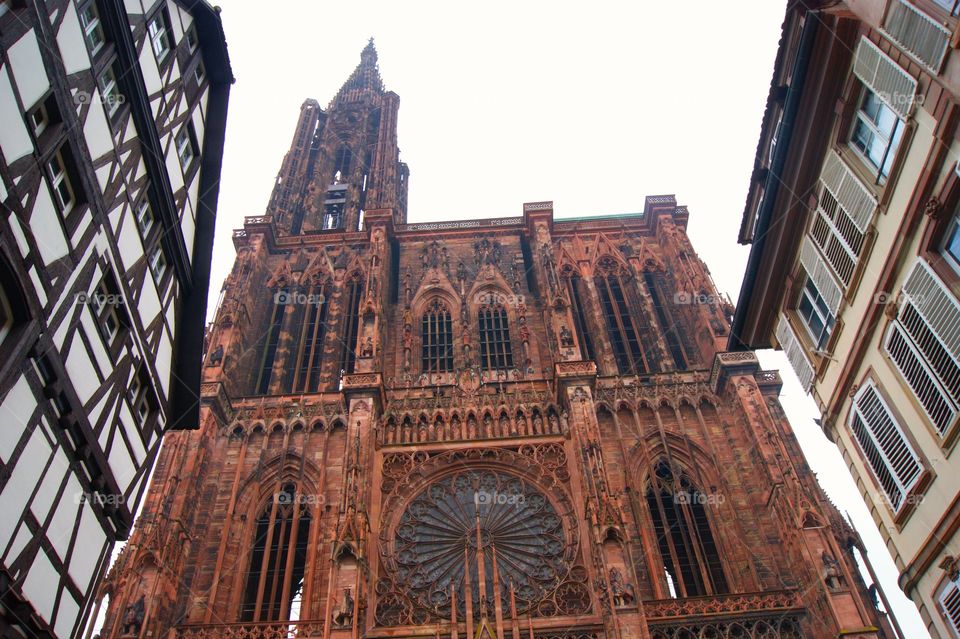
{"x": 591, "y": 106}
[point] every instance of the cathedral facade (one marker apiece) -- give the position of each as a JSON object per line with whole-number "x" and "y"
{"x": 521, "y": 427}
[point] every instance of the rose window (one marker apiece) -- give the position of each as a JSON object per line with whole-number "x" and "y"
{"x": 436, "y": 541}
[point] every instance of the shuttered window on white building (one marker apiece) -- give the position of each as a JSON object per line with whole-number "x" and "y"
{"x": 918, "y": 33}
{"x": 950, "y": 604}
{"x": 818, "y": 271}
{"x": 844, "y": 211}
{"x": 883, "y": 76}
{"x": 793, "y": 349}
{"x": 885, "y": 448}
{"x": 924, "y": 344}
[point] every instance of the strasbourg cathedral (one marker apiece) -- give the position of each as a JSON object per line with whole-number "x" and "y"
{"x": 511, "y": 428}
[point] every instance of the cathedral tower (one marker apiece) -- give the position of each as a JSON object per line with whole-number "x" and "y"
{"x": 500, "y": 428}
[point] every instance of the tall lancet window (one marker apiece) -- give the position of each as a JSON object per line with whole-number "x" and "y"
{"x": 621, "y": 324}
{"x": 495, "y": 353}
{"x": 314, "y": 330}
{"x": 269, "y": 354}
{"x": 278, "y": 559}
{"x": 341, "y": 164}
{"x": 436, "y": 335}
{"x": 686, "y": 544}
{"x": 577, "y": 297}
{"x": 350, "y": 323}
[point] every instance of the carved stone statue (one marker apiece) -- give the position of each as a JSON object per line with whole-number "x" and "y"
{"x": 216, "y": 357}
{"x": 566, "y": 337}
{"x": 623, "y": 593}
{"x": 367, "y": 349}
{"x": 344, "y": 615}
{"x": 133, "y": 618}
{"x": 832, "y": 575}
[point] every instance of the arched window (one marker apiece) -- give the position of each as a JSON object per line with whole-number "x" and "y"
{"x": 312, "y": 334}
{"x": 495, "y": 353}
{"x": 436, "y": 337}
{"x": 621, "y": 324}
{"x": 686, "y": 544}
{"x": 278, "y": 560}
{"x": 341, "y": 163}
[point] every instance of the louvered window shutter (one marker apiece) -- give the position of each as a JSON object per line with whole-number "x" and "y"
{"x": 793, "y": 349}
{"x": 917, "y": 33}
{"x": 818, "y": 271}
{"x": 884, "y": 77}
{"x": 844, "y": 211}
{"x": 924, "y": 344}
{"x": 950, "y": 602}
{"x": 884, "y": 445}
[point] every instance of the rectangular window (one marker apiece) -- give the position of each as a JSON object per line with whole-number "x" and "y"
{"x": 199, "y": 73}
{"x": 39, "y": 119}
{"x": 105, "y": 303}
{"x": 924, "y": 344}
{"x": 815, "y": 314}
{"x": 159, "y": 36}
{"x": 92, "y": 28}
{"x": 185, "y": 147}
{"x": 950, "y": 604}
{"x": 158, "y": 263}
{"x": 140, "y": 396}
{"x": 876, "y": 134}
{"x": 110, "y": 91}
{"x": 144, "y": 217}
{"x": 60, "y": 181}
{"x": 884, "y": 446}
{"x": 951, "y": 241}
{"x": 192, "y": 41}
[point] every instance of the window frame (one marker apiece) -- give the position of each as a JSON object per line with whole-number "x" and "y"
{"x": 819, "y": 342}
{"x": 436, "y": 339}
{"x": 894, "y": 140}
{"x": 158, "y": 262}
{"x": 496, "y": 343}
{"x": 94, "y": 26}
{"x": 39, "y": 128}
{"x": 199, "y": 73}
{"x": 110, "y": 95}
{"x": 163, "y": 33}
{"x": 192, "y": 39}
{"x": 952, "y": 228}
{"x": 919, "y": 484}
{"x": 139, "y": 206}
{"x": 140, "y": 395}
{"x": 61, "y": 178}
{"x": 188, "y": 144}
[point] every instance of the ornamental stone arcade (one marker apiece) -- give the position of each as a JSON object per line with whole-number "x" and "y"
{"x": 520, "y": 427}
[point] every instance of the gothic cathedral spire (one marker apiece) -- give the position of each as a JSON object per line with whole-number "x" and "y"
{"x": 343, "y": 161}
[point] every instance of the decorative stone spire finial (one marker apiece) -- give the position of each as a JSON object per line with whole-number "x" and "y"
{"x": 369, "y": 54}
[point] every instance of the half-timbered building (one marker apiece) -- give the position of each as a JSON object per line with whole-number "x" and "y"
{"x": 112, "y": 118}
